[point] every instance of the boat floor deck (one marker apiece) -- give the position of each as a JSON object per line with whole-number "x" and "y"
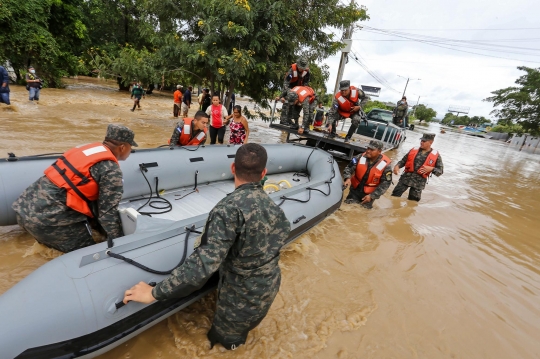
{"x": 336, "y": 146}
{"x": 187, "y": 203}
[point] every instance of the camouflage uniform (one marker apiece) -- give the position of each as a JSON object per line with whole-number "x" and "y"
{"x": 398, "y": 120}
{"x": 287, "y": 85}
{"x": 334, "y": 116}
{"x": 42, "y": 211}
{"x": 294, "y": 110}
{"x": 356, "y": 194}
{"x": 413, "y": 179}
{"x": 175, "y": 137}
{"x": 242, "y": 238}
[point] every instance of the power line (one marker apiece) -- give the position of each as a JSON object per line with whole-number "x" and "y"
{"x": 498, "y": 40}
{"x": 463, "y": 29}
{"x": 437, "y": 44}
{"x": 477, "y": 45}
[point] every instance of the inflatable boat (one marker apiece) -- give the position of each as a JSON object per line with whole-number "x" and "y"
{"x": 71, "y": 306}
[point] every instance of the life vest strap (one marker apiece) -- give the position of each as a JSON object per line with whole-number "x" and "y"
{"x": 72, "y": 185}
{"x": 84, "y": 179}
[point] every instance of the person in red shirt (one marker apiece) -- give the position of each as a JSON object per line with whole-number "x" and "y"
{"x": 177, "y": 101}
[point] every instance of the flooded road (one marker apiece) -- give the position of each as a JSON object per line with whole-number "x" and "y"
{"x": 454, "y": 276}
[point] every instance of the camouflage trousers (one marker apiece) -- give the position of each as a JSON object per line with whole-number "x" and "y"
{"x": 240, "y": 308}
{"x": 355, "y": 197}
{"x": 62, "y": 238}
{"x": 414, "y": 193}
{"x": 355, "y": 121}
{"x": 307, "y": 119}
{"x": 284, "y": 117}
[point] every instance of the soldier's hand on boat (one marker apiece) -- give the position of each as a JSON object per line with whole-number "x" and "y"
{"x": 355, "y": 109}
{"x": 366, "y": 199}
{"x": 141, "y": 292}
{"x": 347, "y": 182}
{"x": 396, "y": 169}
{"x": 425, "y": 169}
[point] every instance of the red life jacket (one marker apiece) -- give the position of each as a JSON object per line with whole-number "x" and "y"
{"x": 346, "y": 104}
{"x": 375, "y": 174}
{"x": 431, "y": 159}
{"x": 296, "y": 78}
{"x": 72, "y": 172}
{"x": 304, "y": 92}
{"x": 185, "y": 137}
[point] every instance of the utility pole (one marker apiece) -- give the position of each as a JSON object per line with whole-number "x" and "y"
{"x": 414, "y": 111}
{"x": 347, "y": 34}
{"x": 406, "y": 84}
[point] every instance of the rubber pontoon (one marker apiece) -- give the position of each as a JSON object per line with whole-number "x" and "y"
{"x": 66, "y": 308}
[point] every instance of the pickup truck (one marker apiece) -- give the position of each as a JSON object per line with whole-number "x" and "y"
{"x": 378, "y": 120}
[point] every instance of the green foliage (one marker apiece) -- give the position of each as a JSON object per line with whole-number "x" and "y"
{"x": 44, "y": 33}
{"x": 520, "y": 104}
{"x": 375, "y": 104}
{"x": 451, "y": 119}
{"x": 510, "y": 128}
{"x": 423, "y": 113}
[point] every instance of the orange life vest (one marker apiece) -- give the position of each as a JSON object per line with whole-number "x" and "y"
{"x": 185, "y": 137}
{"x": 72, "y": 172}
{"x": 346, "y": 104}
{"x": 298, "y": 78}
{"x": 304, "y": 92}
{"x": 431, "y": 159}
{"x": 375, "y": 174}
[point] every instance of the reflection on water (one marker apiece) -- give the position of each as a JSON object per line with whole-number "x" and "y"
{"x": 456, "y": 275}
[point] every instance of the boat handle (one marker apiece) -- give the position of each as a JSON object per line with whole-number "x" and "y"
{"x": 299, "y": 219}
{"x": 120, "y": 304}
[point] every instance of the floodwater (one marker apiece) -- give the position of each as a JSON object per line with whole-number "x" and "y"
{"x": 454, "y": 276}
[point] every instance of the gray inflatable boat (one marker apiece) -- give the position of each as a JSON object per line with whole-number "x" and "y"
{"x": 70, "y": 307}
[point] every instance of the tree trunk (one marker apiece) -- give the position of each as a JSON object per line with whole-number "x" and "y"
{"x": 229, "y": 97}
{"x": 151, "y": 88}
{"x": 212, "y": 85}
{"x": 121, "y": 85}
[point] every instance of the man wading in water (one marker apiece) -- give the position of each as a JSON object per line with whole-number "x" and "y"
{"x": 241, "y": 239}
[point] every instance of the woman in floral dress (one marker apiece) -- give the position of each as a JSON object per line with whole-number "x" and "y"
{"x": 239, "y": 127}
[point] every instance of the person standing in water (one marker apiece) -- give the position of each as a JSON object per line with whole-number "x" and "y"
{"x": 218, "y": 120}
{"x": 241, "y": 240}
{"x": 239, "y": 127}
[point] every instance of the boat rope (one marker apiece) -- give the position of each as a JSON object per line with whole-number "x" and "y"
{"x": 189, "y": 230}
{"x": 329, "y": 182}
{"x": 156, "y": 202}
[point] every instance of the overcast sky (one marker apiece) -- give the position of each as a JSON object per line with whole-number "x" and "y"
{"x": 448, "y": 77}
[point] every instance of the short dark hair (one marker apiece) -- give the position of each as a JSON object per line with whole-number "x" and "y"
{"x": 200, "y": 114}
{"x": 250, "y": 162}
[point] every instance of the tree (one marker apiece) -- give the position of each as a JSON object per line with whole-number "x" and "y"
{"x": 237, "y": 44}
{"x": 43, "y": 33}
{"x": 520, "y": 104}
{"x": 423, "y": 113}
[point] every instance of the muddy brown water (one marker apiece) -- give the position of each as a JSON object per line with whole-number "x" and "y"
{"x": 454, "y": 276}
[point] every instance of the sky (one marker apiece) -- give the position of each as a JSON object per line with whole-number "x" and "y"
{"x": 447, "y": 77}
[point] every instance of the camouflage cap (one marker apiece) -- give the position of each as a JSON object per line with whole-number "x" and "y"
{"x": 302, "y": 62}
{"x": 120, "y": 133}
{"x": 344, "y": 84}
{"x": 375, "y": 145}
{"x": 428, "y": 137}
{"x": 292, "y": 96}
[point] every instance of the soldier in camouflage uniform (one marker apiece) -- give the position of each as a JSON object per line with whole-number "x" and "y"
{"x": 419, "y": 163}
{"x": 294, "y": 111}
{"x": 345, "y": 98}
{"x": 374, "y": 159}
{"x": 198, "y": 125}
{"x": 43, "y": 212}
{"x": 242, "y": 239}
{"x": 294, "y": 77}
